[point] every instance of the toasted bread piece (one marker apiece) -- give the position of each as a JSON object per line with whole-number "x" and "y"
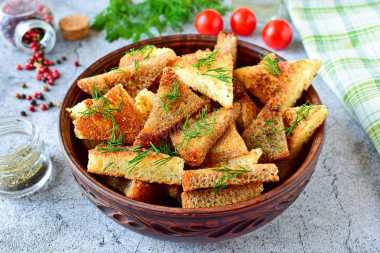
{"x": 305, "y": 120}
{"x": 90, "y": 144}
{"x": 208, "y": 178}
{"x": 229, "y": 146}
{"x": 135, "y": 189}
{"x": 144, "y": 102}
{"x": 227, "y": 42}
{"x": 145, "y": 53}
{"x": 76, "y": 111}
{"x": 251, "y": 158}
{"x": 267, "y": 132}
{"x": 249, "y": 109}
{"x": 96, "y": 127}
{"x": 161, "y": 120}
{"x": 194, "y": 150}
{"x": 294, "y": 77}
{"x": 115, "y": 164}
{"x": 227, "y": 196}
{"x": 172, "y": 191}
{"x": 214, "y": 88}
{"x": 132, "y": 78}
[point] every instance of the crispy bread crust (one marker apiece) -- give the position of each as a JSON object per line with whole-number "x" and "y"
{"x": 267, "y": 132}
{"x": 208, "y": 178}
{"x": 159, "y": 122}
{"x": 96, "y": 127}
{"x": 133, "y": 81}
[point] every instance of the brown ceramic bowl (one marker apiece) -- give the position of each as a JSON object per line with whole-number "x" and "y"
{"x": 174, "y": 223}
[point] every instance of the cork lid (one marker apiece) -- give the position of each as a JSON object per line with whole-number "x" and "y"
{"x": 74, "y": 27}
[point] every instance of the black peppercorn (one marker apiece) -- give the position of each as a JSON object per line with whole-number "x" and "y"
{"x": 51, "y": 104}
{"x": 59, "y": 62}
{"x": 33, "y": 102}
{"x": 23, "y": 113}
{"x": 22, "y": 96}
{"x": 64, "y": 58}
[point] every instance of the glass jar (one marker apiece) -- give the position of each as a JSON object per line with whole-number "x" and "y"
{"x": 24, "y": 21}
{"x": 24, "y": 164}
{"x": 265, "y": 11}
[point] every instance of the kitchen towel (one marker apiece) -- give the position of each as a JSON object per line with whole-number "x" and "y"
{"x": 345, "y": 35}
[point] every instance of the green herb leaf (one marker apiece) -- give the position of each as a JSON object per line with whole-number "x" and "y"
{"x": 221, "y": 75}
{"x": 206, "y": 61}
{"x": 301, "y": 115}
{"x": 200, "y": 128}
{"x": 108, "y": 165}
{"x": 124, "y": 19}
{"x": 271, "y": 65}
{"x": 228, "y": 175}
{"x": 172, "y": 94}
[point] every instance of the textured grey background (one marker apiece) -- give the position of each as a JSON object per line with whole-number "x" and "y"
{"x": 339, "y": 211}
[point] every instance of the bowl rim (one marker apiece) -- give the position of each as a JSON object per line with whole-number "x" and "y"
{"x": 74, "y": 164}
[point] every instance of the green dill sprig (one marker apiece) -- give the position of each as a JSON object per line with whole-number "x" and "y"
{"x": 167, "y": 148}
{"x": 172, "y": 94}
{"x": 137, "y": 66}
{"x": 108, "y": 165}
{"x": 271, "y": 65}
{"x": 206, "y": 61}
{"x": 115, "y": 147}
{"x": 228, "y": 175}
{"x": 301, "y": 115}
{"x": 104, "y": 107}
{"x": 118, "y": 70}
{"x": 200, "y": 128}
{"x": 221, "y": 74}
{"x": 145, "y": 51}
{"x": 178, "y": 66}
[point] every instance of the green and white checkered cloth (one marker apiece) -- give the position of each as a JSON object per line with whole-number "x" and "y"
{"x": 345, "y": 35}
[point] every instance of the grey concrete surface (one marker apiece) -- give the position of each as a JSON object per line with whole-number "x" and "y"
{"x": 339, "y": 211}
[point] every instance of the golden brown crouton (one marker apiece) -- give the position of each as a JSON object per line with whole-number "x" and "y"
{"x": 198, "y": 136}
{"x": 252, "y": 158}
{"x": 267, "y": 132}
{"x": 147, "y": 170}
{"x": 144, "y": 53}
{"x": 94, "y": 126}
{"x": 302, "y": 122}
{"x": 176, "y": 101}
{"x": 229, "y": 146}
{"x": 294, "y": 78}
{"x": 133, "y": 79}
{"x": 227, "y": 42}
{"x": 144, "y": 102}
{"x": 208, "y": 178}
{"x": 249, "y": 109}
{"x": 227, "y": 196}
{"x": 204, "y": 79}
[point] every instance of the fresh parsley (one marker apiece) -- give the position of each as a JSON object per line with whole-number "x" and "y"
{"x": 123, "y": 18}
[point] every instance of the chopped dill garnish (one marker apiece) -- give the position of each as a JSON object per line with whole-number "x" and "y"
{"x": 108, "y": 165}
{"x": 111, "y": 147}
{"x": 118, "y": 70}
{"x": 165, "y": 147}
{"x": 228, "y": 175}
{"x": 180, "y": 110}
{"x": 131, "y": 164}
{"x": 145, "y": 51}
{"x": 104, "y": 107}
{"x": 206, "y": 61}
{"x": 178, "y": 66}
{"x": 221, "y": 75}
{"x": 172, "y": 94}
{"x": 200, "y": 128}
{"x": 271, "y": 65}
{"x": 137, "y": 66}
{"x": 301, "y": 115}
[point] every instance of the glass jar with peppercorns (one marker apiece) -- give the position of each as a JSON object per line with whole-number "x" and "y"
{"x": 25, "y": 21}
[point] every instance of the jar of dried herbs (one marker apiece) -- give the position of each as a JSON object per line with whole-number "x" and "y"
{"x": 24, "y": 164}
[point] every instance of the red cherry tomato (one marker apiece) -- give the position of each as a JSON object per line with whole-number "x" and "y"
{"x": 277, "y": 34}
{"x": 243, "y": 21}
{"x": 208, "y": 22}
